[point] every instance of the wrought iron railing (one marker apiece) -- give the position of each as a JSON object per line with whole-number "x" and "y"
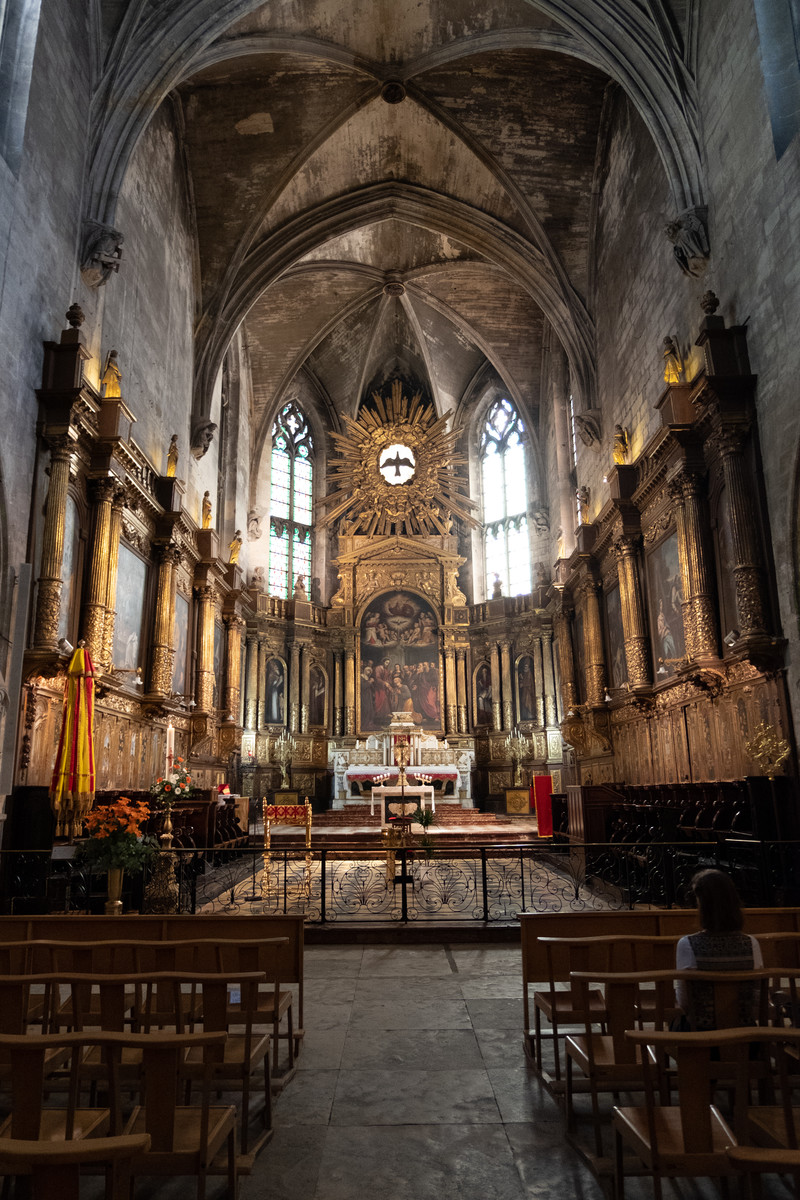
{"x": 340, "y": 884}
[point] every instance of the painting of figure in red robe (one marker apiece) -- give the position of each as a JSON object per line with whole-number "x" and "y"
{"x": 399, "y": 662}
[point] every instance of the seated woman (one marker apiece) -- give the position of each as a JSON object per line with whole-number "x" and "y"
{"x": 719, "y": 946}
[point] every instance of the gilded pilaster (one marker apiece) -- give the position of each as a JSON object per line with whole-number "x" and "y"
{"x": 113, "y": 567}
{"x": 679, "y": 507}
{"x": 451, "y": 720}
{"x": 48, "y": 594}
{"x": 349, "y": 691}
{"x": 294, "y": 689}
{"x": 337, "y": 694}
{"x": 595, "y": 657}
{"x": 538, "y": 679}
{"x": 233, "y": 681}
{"x": 550, "y": 707}
{"x": 497, "y": 707}
{"x": 505, "y": 666}
{"x": 101, "y": 494}
{"x": 569, "y": 692}
{"x": 701, "y": 594}
{"x": 461, "y": 689}
{"x": 251, "y": 682}
{"x": 163, "y": 631}
{"x": 752, "y": 605}
{"x": 261, "y": 683}
{"x": 637, "y": 642}
{"x": 205, "y": 649}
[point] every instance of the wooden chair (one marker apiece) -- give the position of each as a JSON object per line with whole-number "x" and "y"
{"x": 29, "y": 1061}
{"x": 690, "y": 1138}
{"x": 274, "y": 1002}
{"x": 55, "y": 1167}
{"x": 755, "y": 1161}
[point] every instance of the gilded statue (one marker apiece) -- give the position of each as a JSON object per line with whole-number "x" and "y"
{"x": 206, "y": 510}
{"x": 110, "y": 384}
{"x": 172, "y": 456}
{"x": 673, "y": 367}
{"x": 235, "y": 546}
{"x": 620, "y": 451}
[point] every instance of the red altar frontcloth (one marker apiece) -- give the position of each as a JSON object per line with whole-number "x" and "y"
{"x": 541, "y": 795}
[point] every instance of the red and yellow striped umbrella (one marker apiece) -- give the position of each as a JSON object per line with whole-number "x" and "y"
{"x": 72, "y": 787}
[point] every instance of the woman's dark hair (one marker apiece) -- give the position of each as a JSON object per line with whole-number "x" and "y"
{"x": 717, "y": 901}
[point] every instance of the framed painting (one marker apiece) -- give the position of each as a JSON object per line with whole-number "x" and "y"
{"x": 666, "y": 613}
{"x": 482, "y": 696}
{"x": 219, "y": 661}
{"x": 615, "y": 639}
{"x": 181, "y": 636}
{"x": 526, "y": 689}
{"x": 131, "y": 583}
{"x": 317, "y": 696}
{"x": 275, "y": 691}
{"x": 399, "y": 662}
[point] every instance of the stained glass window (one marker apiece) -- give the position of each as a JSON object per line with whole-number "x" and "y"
{"x": 505, "y": 500}
{"x": 290, "y": 501}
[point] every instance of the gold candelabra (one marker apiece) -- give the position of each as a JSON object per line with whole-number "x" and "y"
{"x": 768, "y": 749}
{"x": 402, "y": 756}
{"x": 518, "y": 748}
{"x": 283, "y": 751}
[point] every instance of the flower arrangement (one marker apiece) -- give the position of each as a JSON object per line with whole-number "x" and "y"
{"x": 114, "y": 837}
{"x": 169, "y": 788}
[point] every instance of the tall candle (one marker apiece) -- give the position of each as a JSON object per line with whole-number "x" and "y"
{"x": 170, "y": 748}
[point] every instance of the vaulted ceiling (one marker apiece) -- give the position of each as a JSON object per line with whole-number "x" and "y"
{"x": 386, "y": 188}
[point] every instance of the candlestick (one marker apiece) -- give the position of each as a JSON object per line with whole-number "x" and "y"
{"x": 170, "y": 748}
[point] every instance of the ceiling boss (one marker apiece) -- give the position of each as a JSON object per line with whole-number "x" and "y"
{"x": 397, "y": 471}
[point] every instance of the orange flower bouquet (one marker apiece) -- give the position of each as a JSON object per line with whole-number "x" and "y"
{"x": 115, "y": 837}
{"x": 169, "y": 788}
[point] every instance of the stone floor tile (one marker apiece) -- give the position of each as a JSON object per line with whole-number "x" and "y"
{"x": 288, "y": 1168}
{"x": 394, "y": 1013}
{"x": 307, "y": 1099}
{"x": 519, "y": 1094}
{"x": 497, "y": 1014}
{"x": 322, "y": 1049}
{"x": 416, "y": 990}
{"x": 327, "y": 990}
{"x": 487, "y": 960}
{"x": 414, "y": 1097}
{"x": 321, "y": 1016}
{"x": 332, "y": 961}
{"x": 490, "y": 987}
{"x": 405, "y": 961}
{"x": 501, "y": 1047}
{"x": 423, "y": 1049}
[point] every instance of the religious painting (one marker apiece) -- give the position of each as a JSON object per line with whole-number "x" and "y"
{"x": 275, "y": 691}
{"x": 482, "y": 696}
{"x": 219, "y": 661}
{"x": 526, "y": 689}
{"x": 181, "y": 636}
{"x": 399, "y": 662}
{"x": 615, "y": 638}
{"x": 69, "y": 570}
{"x": 317, "y": 696}
{"x": 666, "y": 613}
{"x": 725, "y": 563}
{"x": 579, "y": 651}
{"x": 131, "y": 582}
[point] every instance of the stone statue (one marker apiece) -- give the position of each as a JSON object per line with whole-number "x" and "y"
{"x": 673, "y": 367}
{"x": 172, "y": 456}
{"x": 582, "y": 496}
{"x": 541, "y": 521}
{"x": 300, "y": 588}
{"x": 235, "y": 546}
{"x": 110, "y": 384}
{"x": 620, "y": 451}
{"x": 497, "y": 588}
{"x": 258, "y": 580}
{"x": 542, "y": 579}
{"x": 254, "y": 529}
{"x": 589, "y": 426}
{"x": 202, "y": 437}
{"x": 316, "y": 594}
{"x": 102, "y": 252}
{"x": 206, "y": 510}
{"x": 689, "y": 237}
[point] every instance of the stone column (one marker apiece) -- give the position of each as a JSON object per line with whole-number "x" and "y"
{"x": 593, "y": 631}
{"x": 550, "y": 707}
{"x": 505, "y": 666}
{"x": 93, "y": 621}
{"x": 163, "y": 659}
{"x": 305, "y": 689}
{"x": 251, "y": 682}
{"x": 701, "y": 593}
{"x": 205, "y": 649}
{"x": 634, "y": 627}
{"x": 234, "y": 626}
{"x": 569, "y": 693}
{"x": 48, "y": 594}
{"x": 538, "y": 679}
{"x": 461, "y": 690}
{"x": 113, "y": 567}
{"x": 349, "y": 691}
{"x": 497, "y": 708}
{"x": 565, "y": 490}
{"x": 261, "y": 683}
{"x": 294, "y": 689}
{"x": 752, "y": 603}
{"x": 451, "y": 720}
{"x": 337, "y": 694}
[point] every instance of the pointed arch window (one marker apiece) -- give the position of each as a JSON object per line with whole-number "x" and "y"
{"x": 290, "y": 500}
{"x": 505, "y": 500}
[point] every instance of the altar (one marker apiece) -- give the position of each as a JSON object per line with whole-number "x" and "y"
{"x": 407, "y": 794}
{"x": 374, "y": 774}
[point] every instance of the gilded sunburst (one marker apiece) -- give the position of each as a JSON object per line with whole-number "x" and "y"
{"x": 396, "y": 471}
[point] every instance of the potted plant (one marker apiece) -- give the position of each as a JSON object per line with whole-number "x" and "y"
{"x": 115, "y": 844}
{"x": 425, "y": 817}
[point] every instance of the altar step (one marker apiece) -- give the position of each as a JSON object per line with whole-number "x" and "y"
{"x": 446, "y": 814}
{"x": 455, "y": 828}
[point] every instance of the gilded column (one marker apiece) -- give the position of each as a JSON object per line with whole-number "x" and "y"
{"x": 634, "y": 627}
{"x": 233, "y": 681}
{"x": 752, "y": 605}
{"x": 294, "y": 689}
{"x": 550, "y": 707}
{"x": 111, "y": 585}
{"x": 337, "y": 694}
{"x": 261, "y": 683}
{"x": 538, "y": 679}
{"x": 305, "y": 689}
{"x": 163, "y": 658}
{"x": 205, "y": 649}
{"x": 699, "y": 569}
{"x": 679, "y": 507}
{"x": 569, "y": 692}
{"x": 251, "y": 682}
{"x": 505, "y": 666}
{"x": 451, "y": 720}
{"x": 595, "y": 658}
{"x": 461, "y": 689}
{"x": 48, "y": 594}
{"x": 349, "y": 691}
{"x": 93, "y": 622}
{"x": 497, "y": 707}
